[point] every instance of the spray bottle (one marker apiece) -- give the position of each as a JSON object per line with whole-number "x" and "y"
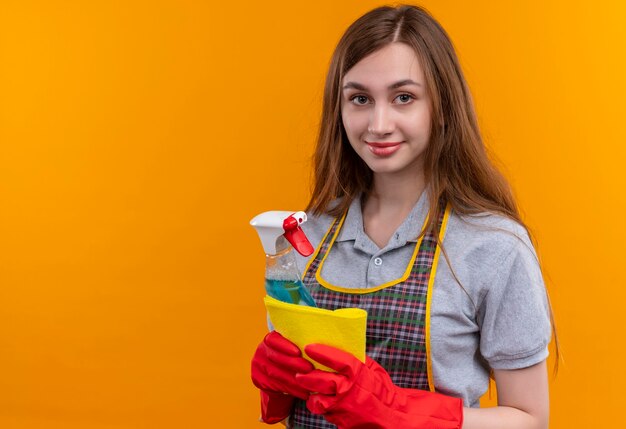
{"x": 280, "y": 233}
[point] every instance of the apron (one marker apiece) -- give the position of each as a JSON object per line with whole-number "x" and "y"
{"x": 398, "y": 316}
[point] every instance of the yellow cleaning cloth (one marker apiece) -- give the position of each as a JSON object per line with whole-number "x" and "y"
{"x": 343, "y": 328}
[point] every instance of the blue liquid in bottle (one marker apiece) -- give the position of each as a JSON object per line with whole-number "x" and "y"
{"x": 289, "y": 291}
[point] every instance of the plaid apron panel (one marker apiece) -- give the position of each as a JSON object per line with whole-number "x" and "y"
{"x": 396, "y": 316}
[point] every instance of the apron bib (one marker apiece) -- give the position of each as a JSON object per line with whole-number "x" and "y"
{"x": 398, "y": 322}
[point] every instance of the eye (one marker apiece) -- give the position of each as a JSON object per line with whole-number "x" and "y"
{"x": 405, "y": 98}
{"x": 361, "y": 99}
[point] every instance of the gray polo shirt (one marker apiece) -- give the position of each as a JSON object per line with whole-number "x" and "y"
{"x": 498, "y": 319}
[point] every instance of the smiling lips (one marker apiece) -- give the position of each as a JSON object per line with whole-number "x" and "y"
{"x": 383, "y": 149}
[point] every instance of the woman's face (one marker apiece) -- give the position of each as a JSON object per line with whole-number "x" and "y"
{"x": 386, "y": 111}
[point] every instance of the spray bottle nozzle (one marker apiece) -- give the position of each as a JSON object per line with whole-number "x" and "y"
{"x": 295, "y": 235}
{"x": 276, "y": 224}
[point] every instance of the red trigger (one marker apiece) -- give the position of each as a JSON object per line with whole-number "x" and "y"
{"x": 296, "y": 237}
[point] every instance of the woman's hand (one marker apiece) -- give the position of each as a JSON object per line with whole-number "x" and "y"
{"x": 362, "y": 395}
{"x": 274, "y": 366}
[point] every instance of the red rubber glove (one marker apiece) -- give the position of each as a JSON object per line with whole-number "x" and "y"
{"x": 274, "y": 366}
{"x": 362, "y": 395}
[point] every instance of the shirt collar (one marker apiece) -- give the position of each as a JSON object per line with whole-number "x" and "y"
{"x": 408, "y": 231}
{"x": 353, "y": 223}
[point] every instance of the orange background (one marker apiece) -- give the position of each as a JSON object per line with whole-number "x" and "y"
{"x": 137, "y": 139}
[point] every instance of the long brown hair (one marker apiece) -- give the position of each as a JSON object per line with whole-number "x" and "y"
{"x": 457, "y": 168}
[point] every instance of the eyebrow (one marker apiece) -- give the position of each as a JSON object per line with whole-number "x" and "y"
{"x": 398, "y": 84}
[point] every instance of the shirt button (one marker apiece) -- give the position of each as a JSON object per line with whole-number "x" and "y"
{"x": 378, "y": 262}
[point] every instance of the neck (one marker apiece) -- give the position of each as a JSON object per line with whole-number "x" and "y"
{"x": 389, "y": 202}
{"x": 398, "y": 192}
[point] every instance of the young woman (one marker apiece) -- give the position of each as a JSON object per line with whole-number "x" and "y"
{"x": 415, "y": 225}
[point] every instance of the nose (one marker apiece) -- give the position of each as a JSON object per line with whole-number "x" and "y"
{"x": 381, "y": 122}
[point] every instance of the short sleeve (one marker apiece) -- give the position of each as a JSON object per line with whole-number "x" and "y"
{"x": 514, "y": 315}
